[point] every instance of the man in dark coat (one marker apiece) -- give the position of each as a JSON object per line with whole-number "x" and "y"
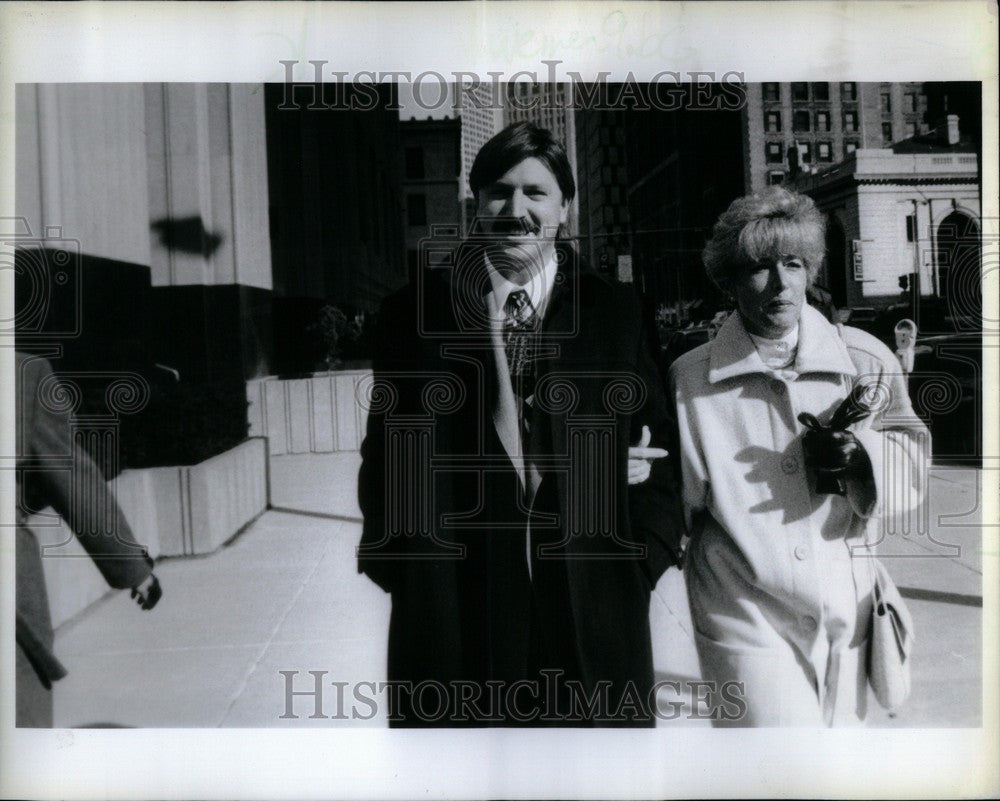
{"x": 497, "y": 478}
{"x": 54, "y": 470}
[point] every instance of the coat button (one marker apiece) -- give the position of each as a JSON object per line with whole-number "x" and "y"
{"x": 789, "y": 465}
{"x": 800, "y": 552}
{"x": 809, "y": 623}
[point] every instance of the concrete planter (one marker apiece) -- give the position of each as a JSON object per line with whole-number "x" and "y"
{"x": 319, "y": 414}
{"x": 173, "y": 511}
{"x": 201, "y": 506}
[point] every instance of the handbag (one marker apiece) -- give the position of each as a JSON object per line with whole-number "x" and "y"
{"x": 890, "y": 642}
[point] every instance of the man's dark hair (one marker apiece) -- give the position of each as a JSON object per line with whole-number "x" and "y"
{"x": 514, "y": 144}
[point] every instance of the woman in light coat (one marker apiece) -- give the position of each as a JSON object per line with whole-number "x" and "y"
{"x": 779, "y": 576}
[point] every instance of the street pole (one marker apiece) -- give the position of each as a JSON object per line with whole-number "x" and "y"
{"x": 915, "y": 281}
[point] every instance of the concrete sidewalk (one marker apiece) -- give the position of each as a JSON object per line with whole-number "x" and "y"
{"x": 285, "y": 596}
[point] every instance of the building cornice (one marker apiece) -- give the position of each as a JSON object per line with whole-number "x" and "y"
{"x": 909, "y": 180}
{"x": 827, "y": 184}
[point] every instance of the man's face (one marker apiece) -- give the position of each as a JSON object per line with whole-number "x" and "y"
{"x": 770, "y": 295}
{"x": 521, "y": 211}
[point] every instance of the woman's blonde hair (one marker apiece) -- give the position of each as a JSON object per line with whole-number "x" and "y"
{"x": 770, "y": 223}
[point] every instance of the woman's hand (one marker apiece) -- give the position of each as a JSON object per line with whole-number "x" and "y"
{"x": 836, "y": 453}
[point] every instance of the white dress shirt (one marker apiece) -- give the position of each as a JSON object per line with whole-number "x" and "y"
{"x": 539, "y": 287}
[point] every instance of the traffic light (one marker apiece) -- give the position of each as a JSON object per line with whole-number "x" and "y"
{"x": 904, "y": 282}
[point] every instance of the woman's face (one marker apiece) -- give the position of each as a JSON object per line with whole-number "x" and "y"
{"x": 770, "y": 294}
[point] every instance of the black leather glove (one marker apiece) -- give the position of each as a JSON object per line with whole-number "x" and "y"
{"x": 148, "y": 593}
{"x": 832, "y": 452}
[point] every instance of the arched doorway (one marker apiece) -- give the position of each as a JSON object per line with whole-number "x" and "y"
{"x": 959, "y": 269}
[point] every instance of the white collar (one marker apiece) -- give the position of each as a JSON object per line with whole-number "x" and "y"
{"x": 789, "y": 340}
{"x": 820, "y": 349}
{"x": 779, "y": 352}
{"x": 539, "y": 287}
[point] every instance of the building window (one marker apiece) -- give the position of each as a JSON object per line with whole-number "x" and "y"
{"x": 910, "y": 102}
{"x": 822, "y": 120}
{"x": 824, "y": 151}
{"x": 800, "y": 91}
{"x": 414, "y": 163}
{"x": 850, "y": 121}
{"x": 886, "y": 103}
{"x": 849, "y": 91}
{"x": 849, "y": 147}
{"x": 772, "y": 122}
{"x": 416, "y": 210}
{"x": 887, "y": 133}
{"x": 800, "y": 121}
{"x": 911, "y": 129}
{"x": 775, "y": 177}
{"x": 772, "y": 92}
{"x": 773, "y": 153}
{"x": 805, "y": 152}
{"x": 821, "y": 91}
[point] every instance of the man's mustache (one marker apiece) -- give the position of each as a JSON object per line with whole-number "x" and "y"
{"x": 518, "y": 226}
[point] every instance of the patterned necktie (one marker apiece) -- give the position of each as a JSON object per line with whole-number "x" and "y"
{"x": 519, "y": 325}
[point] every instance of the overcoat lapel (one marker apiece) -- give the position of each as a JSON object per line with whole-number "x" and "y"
{"x": 471, "y": 282}
{"x": 563, "y": 342}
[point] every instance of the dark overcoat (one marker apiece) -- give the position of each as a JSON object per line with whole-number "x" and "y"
{"x": 445, "y": 518}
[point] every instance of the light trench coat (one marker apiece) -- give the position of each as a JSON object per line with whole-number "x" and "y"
{"x": 779, "y": 577}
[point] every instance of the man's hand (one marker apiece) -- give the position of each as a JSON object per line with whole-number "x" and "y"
{"x": 640, "y": 458}
{"x": 147, "y": 593}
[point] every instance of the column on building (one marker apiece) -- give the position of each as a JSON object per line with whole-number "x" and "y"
{"x": 161, "y": 190}
{"x": 210, "y": 255}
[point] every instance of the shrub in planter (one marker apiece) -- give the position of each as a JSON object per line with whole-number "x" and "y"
{"x": 346, "y": 336}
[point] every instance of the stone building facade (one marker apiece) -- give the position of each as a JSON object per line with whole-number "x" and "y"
{"x": 903, "y": 219}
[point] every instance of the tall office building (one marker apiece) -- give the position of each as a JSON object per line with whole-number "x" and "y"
{"x": 334, "y": 184}
{"x": 430, "y": 181}
{"x": 602, "y": 187}
{"x": 799, "y": 127}
{"x": 683, "y": 171}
